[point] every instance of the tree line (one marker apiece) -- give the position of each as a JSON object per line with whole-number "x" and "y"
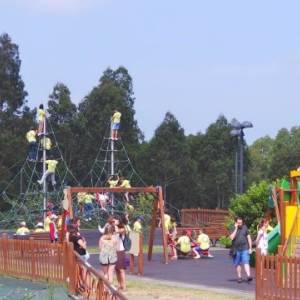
{"x": 194, "y": 170}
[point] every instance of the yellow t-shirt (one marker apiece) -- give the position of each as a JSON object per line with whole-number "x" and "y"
{"x": 30, "y": 136}
{"x": 38, "y": 230}
{"x": 88, "y": 198}
{"x": 47, "y": 142}
{"x": 51, "y": 165}
{"x": 22, "y": 231}
{"x": 137, "y": 227}
{"x": 113, "y": 183}
{"x": 46, "y": 224}
{"x": 185, "y": 244}
{"x": 125, "y": 184}
{"x": 116, "y": 118}
{"x": 167, "y": 221}
{"x": 80, "y": 197}
{"x": 203, "y": 241}
{"x": 41, "y": 115}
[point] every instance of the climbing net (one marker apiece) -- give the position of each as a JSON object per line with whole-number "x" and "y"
{"x": 22, "y": 198}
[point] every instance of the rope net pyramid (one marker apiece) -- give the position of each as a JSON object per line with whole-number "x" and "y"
{"x": 23, "y": 197}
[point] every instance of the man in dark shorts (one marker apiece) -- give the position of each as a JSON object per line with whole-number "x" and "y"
{"x": 242, "y": 248}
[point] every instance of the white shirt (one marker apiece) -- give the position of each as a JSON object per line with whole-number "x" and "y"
{"x": 262, "y": 241}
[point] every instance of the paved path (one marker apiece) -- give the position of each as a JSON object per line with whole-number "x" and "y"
{"x": 214, "y": 273}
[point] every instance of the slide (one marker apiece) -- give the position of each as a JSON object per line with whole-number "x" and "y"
{"x": 274, "y": 239}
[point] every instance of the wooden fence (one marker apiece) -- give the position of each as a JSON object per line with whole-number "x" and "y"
{"x": 54, "y": 263}
{"x": 277, "y": 277}
{"x": 200, "y": 216}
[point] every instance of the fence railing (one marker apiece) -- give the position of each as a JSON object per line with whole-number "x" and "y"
{"x": 91, "y": 284}
{"x": 277, "y": 277}
{"x": 201, "y": 216}
{"x": 54, "y": 263}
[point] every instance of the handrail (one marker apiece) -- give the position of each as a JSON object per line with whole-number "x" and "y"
{"x": 88, "y": 284}
{"x": 289, "y": 238}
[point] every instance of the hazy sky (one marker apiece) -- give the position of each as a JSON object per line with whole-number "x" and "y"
{"x": 197, "y": 59}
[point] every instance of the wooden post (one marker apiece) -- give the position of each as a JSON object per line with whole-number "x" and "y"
{"x": 5, "y": 252}
{"x": 152, "y": 229}
{"x": 258, "y": 277}
{"x": 33, "y": 258}
{"x": 141, "y": 255}
{"x": 163, "y": 229}
{"x": 71, "y": 269}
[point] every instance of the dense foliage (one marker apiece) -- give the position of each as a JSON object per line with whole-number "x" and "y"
{"x": 194, "y": 170}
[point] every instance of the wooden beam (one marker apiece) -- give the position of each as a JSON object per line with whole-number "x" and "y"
{"x": 150, "y": 189}
{"x": 152, "y": 229}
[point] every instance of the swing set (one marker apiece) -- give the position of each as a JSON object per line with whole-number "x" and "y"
{"x": 158, "y": 209}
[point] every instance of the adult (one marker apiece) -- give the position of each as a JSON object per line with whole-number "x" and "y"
{"x": 108, "y": 252}
{"x": 115, "y": 126}
{"x": 121, "y": 255}
{"x": 241, "y": 248}
{"x": 262, "y": 237}
{"x": 79, "y": 242}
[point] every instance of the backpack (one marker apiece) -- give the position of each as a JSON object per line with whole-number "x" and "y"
{"x": 127, "y": 242}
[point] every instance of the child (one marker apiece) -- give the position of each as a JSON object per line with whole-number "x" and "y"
{"x": 41, "y": 119}
{"x": 22, "y": 230}
{"x": 125, "y": 183}
{"x": 47, "y": 145}
{"x": 262, "y": 237}
{"x": 116, "y": 119}
{"x": 32, "y": 149}
{"x": 51, "y": 166}
{"x": 203, "y": 244}
{"x": 113, "y": 182}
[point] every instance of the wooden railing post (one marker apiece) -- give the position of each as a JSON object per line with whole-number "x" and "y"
{"x": 5, "y": 252}
{"x": 71, "y": 268}
{"x": 258, "y": 275}
{"x": 33, "y": 258}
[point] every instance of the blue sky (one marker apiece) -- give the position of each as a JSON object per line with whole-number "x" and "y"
{"x": 197, "y": 59}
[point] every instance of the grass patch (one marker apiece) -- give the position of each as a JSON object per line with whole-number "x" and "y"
{"x": 144, "y": 290}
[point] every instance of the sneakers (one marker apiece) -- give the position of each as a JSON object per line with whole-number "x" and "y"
{"x": 197, "y": 257}
{"x": 249, "y": 279}
{"x": 240, "y": 280}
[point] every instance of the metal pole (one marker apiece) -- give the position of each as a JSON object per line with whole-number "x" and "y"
{"x": 112, "y": 165}
{"x": 44, "y": 171}
{"x": 242, "y": 162}
{"x": 236, "y": 165}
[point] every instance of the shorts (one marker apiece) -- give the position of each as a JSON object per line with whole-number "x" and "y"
{"x": 241, "y": 257}
{"x": 115, "y": 126}
{"x": 121, "y": 261}
{"x": 199, "y": 249}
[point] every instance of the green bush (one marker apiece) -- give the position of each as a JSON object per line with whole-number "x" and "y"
{"x": 251, "y": 205}
{"x": 225, "y": 241}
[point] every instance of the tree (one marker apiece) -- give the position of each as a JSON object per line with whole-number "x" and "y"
{"x": 251, "y": 205}
{"x": 213, "y": 154}
{"x": 12, "y": 93}
{"x": 62, "y": 117}
{"x": 114, "y": 91}
{"x": 166, "y": 161}
{"x": 260, "y": 159}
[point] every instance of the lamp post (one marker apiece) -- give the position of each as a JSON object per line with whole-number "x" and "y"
{"x": 238, "y": 132}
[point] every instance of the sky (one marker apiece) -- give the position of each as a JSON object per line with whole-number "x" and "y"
{"x": 197, "y": 59}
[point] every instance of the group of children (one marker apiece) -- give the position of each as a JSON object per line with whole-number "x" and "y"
{"x": 186, "y": 244}
{"x": 86, "y": 200}
{"x": 45, "y": 142}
